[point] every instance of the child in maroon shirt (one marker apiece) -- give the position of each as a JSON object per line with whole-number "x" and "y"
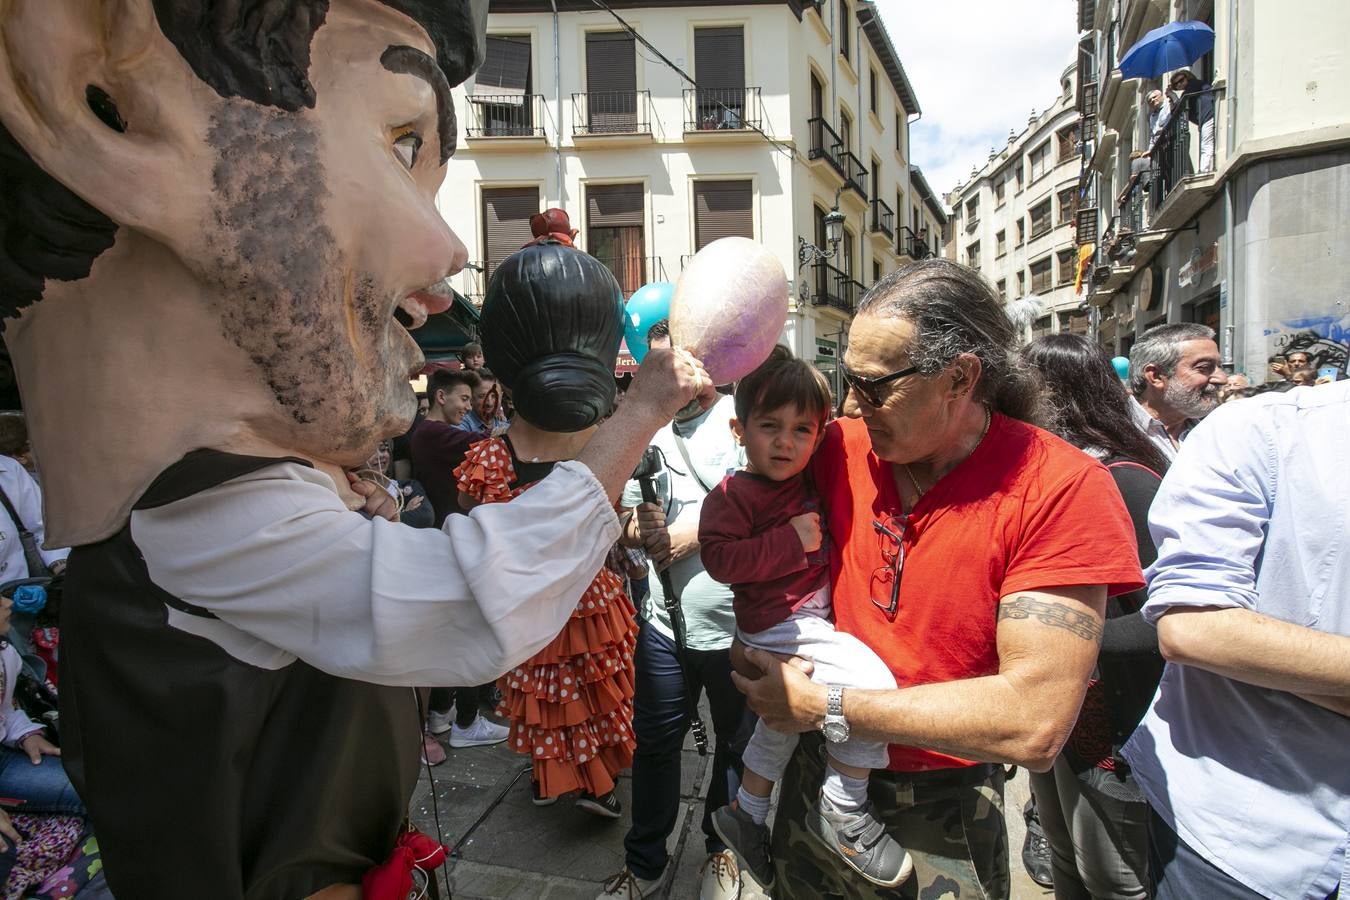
{"x": 760, "y": 532}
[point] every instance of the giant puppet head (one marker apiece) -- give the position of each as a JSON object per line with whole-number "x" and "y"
{"x": 552, "y": 324}
{"x": 216, "y": 224}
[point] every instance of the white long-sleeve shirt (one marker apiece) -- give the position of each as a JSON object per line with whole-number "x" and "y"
{"x": 15, "y": 722}
{"x": 290, "y": 573}
{"x": 24, "y": 493}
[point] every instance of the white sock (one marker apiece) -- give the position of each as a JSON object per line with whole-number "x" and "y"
{"x": 847, "y": 794}
{"x": 757, "y": 808}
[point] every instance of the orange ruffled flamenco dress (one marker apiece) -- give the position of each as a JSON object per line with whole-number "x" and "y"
{"x": 571, "y": 704}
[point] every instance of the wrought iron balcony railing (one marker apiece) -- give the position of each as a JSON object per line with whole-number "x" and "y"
{"x": 825, "y": 144}
{"x": 907, "y": 243}
{"x": 883, "y": 218}
{"x": 722, "y": 109}
{"x": 505, "y": 115}
{"x": 855, "y": 176}
{"x": 836, "y": 288}
{"x": 632, "y": 272}
{"x": 612, "y": 112}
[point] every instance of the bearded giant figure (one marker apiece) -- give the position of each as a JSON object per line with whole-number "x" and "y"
{"x": 216, "y": 220}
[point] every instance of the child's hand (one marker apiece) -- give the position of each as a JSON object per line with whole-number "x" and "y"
{"x": 808, "y": 530}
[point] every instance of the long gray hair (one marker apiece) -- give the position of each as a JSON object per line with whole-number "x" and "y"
{"x": 955, "y": 311}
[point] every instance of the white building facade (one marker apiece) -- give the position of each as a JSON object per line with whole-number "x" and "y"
{"x": 796, "y": 108}
{"x": 1250, "y": 239}
{"x": 1013, "y": 219}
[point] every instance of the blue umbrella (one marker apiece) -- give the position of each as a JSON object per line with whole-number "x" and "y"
{"x": 1173, "y": 46}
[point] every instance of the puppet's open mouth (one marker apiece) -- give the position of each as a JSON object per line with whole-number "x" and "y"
{"x": 412, "y": 311}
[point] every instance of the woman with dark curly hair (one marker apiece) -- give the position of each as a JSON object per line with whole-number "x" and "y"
{"x": 1093, "y": 813}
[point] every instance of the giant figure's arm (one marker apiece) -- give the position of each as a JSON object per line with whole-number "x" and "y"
{"x": 281, "y": 559}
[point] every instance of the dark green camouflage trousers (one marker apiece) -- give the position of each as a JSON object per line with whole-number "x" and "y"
{"x": 950, "y": 821}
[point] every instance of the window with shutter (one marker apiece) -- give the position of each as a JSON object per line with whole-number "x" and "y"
{"x": 1040, "y": 276}
{"x": 500, "y": 106}
{"x": 506, "y": 223}
{"x": 1040, "y": 219}
{"x": 722, "y": 209}
{"x": 719, "y": 70}
{"x": 506, "y": 67}
{"x": 611, "y": 83}
{"x": 845, "y": 28}
{"x": 615, "y": 232}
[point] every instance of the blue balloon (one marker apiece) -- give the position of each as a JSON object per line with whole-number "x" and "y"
{"x": 1122, "y": 367}
{"x": 648, "y": 305}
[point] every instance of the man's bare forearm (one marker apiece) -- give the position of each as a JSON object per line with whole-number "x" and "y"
{"x": 985, "y": 719}
{"x": 1259, "y": 650}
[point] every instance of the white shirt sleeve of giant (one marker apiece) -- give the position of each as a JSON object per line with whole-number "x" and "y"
{"x": 278, "y": 557}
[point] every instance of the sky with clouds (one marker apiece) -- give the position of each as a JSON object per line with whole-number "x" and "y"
{"x": 978, "y": 68}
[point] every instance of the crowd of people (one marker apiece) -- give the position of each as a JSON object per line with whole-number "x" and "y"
{"x": 925, "y": 581}
{"x": 863, "y": 602}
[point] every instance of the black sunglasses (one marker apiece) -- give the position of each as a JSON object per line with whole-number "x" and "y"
{"x": 895, "y": 559}
{"x": 866, "y": 388}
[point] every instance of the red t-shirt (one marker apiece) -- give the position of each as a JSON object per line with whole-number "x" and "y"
{"x": 1025, "y": 511}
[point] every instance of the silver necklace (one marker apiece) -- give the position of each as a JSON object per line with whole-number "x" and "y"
{"x": 918, "y": 490}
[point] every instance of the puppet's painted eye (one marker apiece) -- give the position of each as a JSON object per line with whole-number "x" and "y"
{"x": 407, "y": 145}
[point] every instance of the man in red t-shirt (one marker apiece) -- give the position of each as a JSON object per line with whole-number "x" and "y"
{"x": 974, "y": 553}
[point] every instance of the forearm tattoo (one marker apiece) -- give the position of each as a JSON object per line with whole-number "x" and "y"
{"x": 1056, "y": 615}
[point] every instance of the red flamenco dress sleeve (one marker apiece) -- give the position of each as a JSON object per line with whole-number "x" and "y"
{"x": 571, "y": 704}
{"x": 486, "y": 473}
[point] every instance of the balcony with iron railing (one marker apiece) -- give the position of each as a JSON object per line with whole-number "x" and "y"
{"x": 612, "y": 114}
{"x": 835, "y": 288}
{"x": 632, "y": 272}
{"x": 722, "y": 110}
{"x": 883, "y": 218}
{"x": 825, "y": 144}
{"x": 909, "y": 244}
{"x": 855, "y": 176}
{"x": 1185, "y": 178}
{"x": 505, "y": 116}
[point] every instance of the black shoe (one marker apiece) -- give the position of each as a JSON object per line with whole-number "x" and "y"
{"x": 607, "y": 806}
{"x": 538, "y": 799}
{"x": 1036, "y": 849}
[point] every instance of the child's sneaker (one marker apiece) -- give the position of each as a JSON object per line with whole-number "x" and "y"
{"x": 861, "y": 841}
{"x": 750, "y": 842}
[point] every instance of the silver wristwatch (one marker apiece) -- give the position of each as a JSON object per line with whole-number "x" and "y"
{"x": 835, "y": 727}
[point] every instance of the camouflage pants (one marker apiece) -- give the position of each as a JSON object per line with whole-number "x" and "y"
{"x": 950, "y": 821}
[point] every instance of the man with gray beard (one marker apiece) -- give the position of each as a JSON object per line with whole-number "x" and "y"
{"x": 1175, "y": 379}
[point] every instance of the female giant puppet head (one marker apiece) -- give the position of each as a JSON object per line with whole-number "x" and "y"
{"x": 552, "y": 323}
{"x": 211, "y": 213}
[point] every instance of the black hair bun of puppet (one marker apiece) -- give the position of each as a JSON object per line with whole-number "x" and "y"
{"x": 551, "y": 325}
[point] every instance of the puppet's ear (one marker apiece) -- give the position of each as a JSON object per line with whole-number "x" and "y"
{"x": 82, "y": 92}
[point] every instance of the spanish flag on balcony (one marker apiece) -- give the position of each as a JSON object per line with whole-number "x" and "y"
{"x": 1085, "y": 253}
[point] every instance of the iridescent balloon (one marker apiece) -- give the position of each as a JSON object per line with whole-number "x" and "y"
{"x": 729, "y": 307}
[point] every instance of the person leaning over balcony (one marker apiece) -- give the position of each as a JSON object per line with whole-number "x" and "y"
{"x": 1161, "y": 108}
{"x": 974, "y": 554}
{"x": 1197, "y": 99}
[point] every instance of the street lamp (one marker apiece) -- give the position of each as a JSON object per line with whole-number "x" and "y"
{"x": 834, "y": 233}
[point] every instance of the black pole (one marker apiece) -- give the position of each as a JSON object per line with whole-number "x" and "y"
{"x": 647, "y": 471}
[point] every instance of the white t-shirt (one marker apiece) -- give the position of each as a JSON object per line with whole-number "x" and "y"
{"x": 712, "y": 450}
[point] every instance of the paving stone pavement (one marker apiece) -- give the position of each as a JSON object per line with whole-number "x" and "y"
{"x": 509, "y": 849}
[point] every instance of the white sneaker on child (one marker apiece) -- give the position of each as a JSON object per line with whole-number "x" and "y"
{"x": 481, "y": 733}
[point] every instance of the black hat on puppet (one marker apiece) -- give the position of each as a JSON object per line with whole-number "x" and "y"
{"x": 551, "y": 325}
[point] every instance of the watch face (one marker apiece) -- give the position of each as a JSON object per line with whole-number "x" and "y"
{"x": 835, "y": 732}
